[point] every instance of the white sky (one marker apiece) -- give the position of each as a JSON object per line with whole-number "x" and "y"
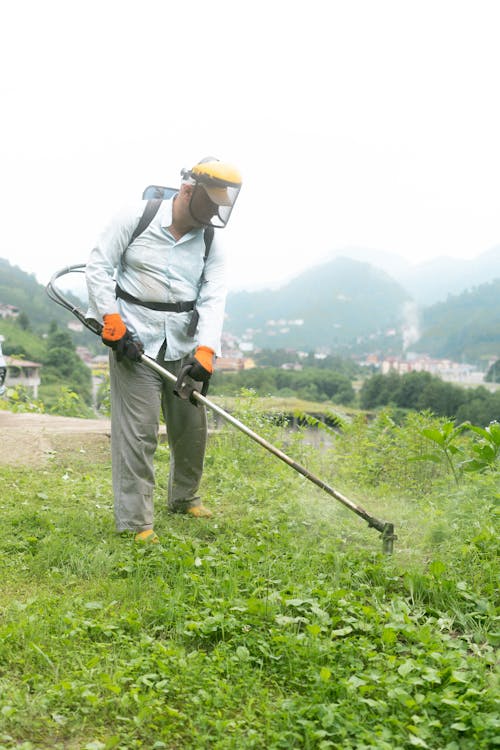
{"x": 355, "y": 123}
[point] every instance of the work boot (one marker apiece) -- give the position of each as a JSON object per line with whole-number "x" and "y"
{"x": 199, "y": 511}
{"x": 149, "y": 537}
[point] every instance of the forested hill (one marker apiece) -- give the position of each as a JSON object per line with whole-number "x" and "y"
{"x": 345, "y": 306}
{"x": 466, "y": 326}
{"x": 22, "y": 290}
{"x": 331, "y": 305}
{"x": 37, "y": 310}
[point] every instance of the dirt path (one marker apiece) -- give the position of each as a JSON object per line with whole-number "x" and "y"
{"x": 30, "y": 439}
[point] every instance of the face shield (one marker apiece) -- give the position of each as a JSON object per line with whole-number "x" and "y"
{"x": 212, "y": 206}
{"x": 216, "y": 186}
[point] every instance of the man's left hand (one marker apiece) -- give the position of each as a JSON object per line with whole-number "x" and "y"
{"x": 202, "y": 365}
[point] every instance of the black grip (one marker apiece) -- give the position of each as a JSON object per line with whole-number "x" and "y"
{"x": 185, "y": 386}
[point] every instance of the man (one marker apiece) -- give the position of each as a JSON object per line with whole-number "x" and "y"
{"x": 162, "y": 294}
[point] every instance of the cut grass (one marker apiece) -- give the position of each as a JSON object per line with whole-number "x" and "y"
{"x": 277, "y": 624}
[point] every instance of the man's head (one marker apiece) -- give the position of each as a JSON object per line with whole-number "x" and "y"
{"x": 212, "y": 187}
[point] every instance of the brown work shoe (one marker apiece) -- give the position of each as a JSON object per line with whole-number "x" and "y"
{"x": 149, "y": 536}
{"x": 199, "y": 511}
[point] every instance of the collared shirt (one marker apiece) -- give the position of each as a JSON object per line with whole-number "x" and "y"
{"x": 158, "y": 268}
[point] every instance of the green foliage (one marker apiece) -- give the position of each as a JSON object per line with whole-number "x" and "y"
{"x": 481, "y": 407}
{"x": 445, "y": 438}
{"x": 70, "y": 404}
{"x": 466, "y": 326}
{"x": 63, "y": 371}
{"x": 19, "y": 400}
{"x": 493, "y": 374}
{"x": 309, "y": 384}
{"x": 37, "y": 310}
{"x": 104, "y": 397}
{"x": 486, "y": 451}
{"x": 279, "y": 357}
{"x": 64, "y": 366}
{"x": 478, "y": 455}
{"x": 279, "y": 624}
{"x": 22, "y": 343}
{"x": 422, "y": 391}
{"x": 419, "y": 453}
{"x": 23, "y": 321}
{"x": 382, "y": 453}
{"x": 22, "y": 290}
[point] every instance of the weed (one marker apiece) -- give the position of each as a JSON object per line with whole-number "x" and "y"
{"x": 278, "y": 624}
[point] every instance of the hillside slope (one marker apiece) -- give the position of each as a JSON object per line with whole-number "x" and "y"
{"x": 332, "y": 306}
{"x": 22, "y": 290}
{"x": 465, "y": 327}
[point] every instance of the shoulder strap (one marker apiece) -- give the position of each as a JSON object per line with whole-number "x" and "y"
{"x": 150, "y": 211}
{"x": 208, "y": 236}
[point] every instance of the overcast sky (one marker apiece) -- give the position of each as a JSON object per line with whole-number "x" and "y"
{"x": 355, "y": 123}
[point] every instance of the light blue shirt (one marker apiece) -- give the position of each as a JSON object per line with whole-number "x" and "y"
{"x": 157, "y": 268}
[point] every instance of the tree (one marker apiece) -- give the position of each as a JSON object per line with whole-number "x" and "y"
{"x": 379, "y": 390}
{"x": 63, "y": 364}
{"x": 425, "y": 392}
{"x": 410, "y": 389}
{"x": 23, "y": 321}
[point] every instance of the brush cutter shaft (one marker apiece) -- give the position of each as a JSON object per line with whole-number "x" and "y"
{"x": 386, "y": 529}
{"x": 379, "y": 525}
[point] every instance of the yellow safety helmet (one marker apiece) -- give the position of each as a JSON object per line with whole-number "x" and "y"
{"x": 217, "y": 185}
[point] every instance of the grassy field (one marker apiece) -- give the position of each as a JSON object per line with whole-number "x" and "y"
{"x": 277, "y": 624}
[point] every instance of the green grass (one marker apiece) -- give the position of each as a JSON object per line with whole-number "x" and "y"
{"x": 277, "y": 624}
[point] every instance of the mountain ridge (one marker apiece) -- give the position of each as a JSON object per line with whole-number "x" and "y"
{"x": 342, "y": 306}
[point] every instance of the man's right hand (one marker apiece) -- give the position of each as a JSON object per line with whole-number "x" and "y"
{"x": 129, "y": 347}
{"x": 115, "y": 335}
{"x": 113, "y": 329}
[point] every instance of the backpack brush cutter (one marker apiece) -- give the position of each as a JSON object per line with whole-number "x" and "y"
{"x": 386, "y": 529}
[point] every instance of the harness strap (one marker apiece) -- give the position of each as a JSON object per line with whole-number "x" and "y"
{"x": 177, "y": 307}
{"x": 150, "y": 210}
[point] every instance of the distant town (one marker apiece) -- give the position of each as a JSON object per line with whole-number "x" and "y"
{"x": 237, "y": 355}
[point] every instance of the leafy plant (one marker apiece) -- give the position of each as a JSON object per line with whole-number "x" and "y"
{"x": 445, "y": 439}
{"x": 486, "y": 450}
{"x": 278, "y": 624}
{"x": 19, "y": 399}
{"x": 70, "y": 404}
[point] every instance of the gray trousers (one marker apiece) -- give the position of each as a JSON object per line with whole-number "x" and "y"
{"x": 137, "y": 395}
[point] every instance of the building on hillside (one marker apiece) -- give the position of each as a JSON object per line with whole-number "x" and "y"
{"x": 446, "y": 369}
{"x": 75, "y": 326}
{"x": 234, "y": 363}
{"x": 295, "y": 366}
{"x": 21, "y": 372}
{"x": 394, "y": 364}
{"x": 229, "y": 364}
{"x": 8, "y": 311}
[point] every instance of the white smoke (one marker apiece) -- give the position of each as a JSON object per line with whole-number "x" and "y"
{"x": 410, "y": 327}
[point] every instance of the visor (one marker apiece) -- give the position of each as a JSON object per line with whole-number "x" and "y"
{"x": 218, "y": 195}
{"x": 211, "y": 205}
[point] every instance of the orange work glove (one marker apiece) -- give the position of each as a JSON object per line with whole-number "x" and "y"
{"x": 202, "y": 364}
{"x": 205, "y": 356}
{"x": 113, "y": 329}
